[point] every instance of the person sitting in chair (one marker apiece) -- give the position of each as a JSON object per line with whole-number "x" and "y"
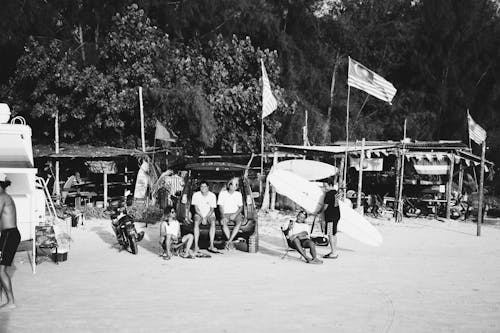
{"x": 297, "y": 233}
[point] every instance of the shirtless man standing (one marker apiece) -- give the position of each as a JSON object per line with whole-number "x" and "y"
{"x": 9, "y": 240}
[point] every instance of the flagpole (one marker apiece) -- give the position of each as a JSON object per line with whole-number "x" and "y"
{"x": 261, "y": 154}
{"x": 141, "y": 108}
{"x": 346, "y": 140}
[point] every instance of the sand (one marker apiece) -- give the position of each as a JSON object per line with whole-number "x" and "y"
{"x": 428, "y": 276}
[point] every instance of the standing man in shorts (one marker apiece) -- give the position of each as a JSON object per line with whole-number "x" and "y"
{"x": 9, "y": 240}
{"x": 331, "y": 211}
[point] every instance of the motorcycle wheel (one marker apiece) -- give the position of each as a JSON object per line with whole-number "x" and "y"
{"x": 133, "y": 244}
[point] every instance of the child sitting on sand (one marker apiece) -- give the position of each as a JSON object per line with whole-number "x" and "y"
{"x": 170, "y": 232}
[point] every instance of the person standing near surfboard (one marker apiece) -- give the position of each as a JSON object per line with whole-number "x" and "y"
{"x": 331, "y": 212}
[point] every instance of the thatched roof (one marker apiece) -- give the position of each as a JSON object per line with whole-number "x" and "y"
{"x": 83, "y": 151}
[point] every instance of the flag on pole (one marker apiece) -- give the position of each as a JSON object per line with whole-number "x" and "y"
{"x": 364, "y": 79}
{"x": 269, "y": 103}
{"x": 164, "y": 134}
{"x": 476, "y": 132}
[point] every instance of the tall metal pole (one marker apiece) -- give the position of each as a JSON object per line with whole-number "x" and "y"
{"x": 481, "y": 185}
{"x": 141, "y": 108}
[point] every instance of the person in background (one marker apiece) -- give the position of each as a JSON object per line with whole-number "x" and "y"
{"x": 70, "y": 185}
{"x": 230, "y": 206}
{"x": 169, "y": 186}
{"x": 9, "y": 241}
{"x": 297, "y": 232}
{"x": 331, "y": 213}
{"x": 170, "y": 236}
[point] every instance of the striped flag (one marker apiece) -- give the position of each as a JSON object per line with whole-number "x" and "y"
{"x": 269, "y": 103}
{"x": 362, "y": 78}
{"x": 476, "y": 132}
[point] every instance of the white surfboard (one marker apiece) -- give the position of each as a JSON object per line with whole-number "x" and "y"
{"x": 310, "y": 196}
{"x": 307, "y": 169}
{"x": 304, "y": 193}
{"x": 356, "y": 226}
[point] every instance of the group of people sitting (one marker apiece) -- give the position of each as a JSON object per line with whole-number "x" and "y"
{"x": 204, "y": 202}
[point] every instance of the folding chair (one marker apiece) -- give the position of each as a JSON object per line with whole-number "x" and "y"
{"x": 287, "y": 244}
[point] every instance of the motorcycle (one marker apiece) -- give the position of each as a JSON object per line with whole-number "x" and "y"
{"x": 126, "y": 234}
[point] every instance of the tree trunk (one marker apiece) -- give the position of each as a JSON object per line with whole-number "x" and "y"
{"x": 326, "y": 127}
{"x": 80, "y": 37}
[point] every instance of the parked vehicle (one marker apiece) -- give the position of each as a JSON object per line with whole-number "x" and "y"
{"x": 123, "y": 225}
{"x": 217, "y": 174}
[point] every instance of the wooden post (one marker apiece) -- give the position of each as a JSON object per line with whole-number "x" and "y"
{"x": 460, "y": 178}
{"x": 481, "y": 185}
{"x": 399, "y": 198}
{"x": 56, "y": 142}
{"x": 346, "y": 142}
{"x": 360, "y": 177}
{"x": 105, "y": 185}
{"x": 273, "y": 191}
{"x": 449, "y": 186}
{"x": 341, "y": 175}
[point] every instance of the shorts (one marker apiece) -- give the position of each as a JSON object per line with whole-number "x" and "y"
{"x": 237, "y": 219}
{"x": 9, "y": 241}
{"x": 331, "y": 228}
{"x": 210, "y": 219}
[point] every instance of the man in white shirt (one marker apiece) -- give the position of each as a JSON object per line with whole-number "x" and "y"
{"x": 230, "y": 207}
{"x": 297, "y": 233}
{"x": 204, "y": 202}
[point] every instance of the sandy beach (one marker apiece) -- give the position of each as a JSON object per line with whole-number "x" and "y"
{"x": 428, "y": 276}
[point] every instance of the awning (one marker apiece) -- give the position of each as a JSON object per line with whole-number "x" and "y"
{"x": 351, "y": 149}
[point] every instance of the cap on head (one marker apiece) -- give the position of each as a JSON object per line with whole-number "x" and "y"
{"x": 3, "y": 177}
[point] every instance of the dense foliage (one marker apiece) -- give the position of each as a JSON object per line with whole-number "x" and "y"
{"x": 198, "y": 62}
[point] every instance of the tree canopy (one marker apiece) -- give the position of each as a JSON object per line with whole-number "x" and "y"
{"x": 198, "y": 62}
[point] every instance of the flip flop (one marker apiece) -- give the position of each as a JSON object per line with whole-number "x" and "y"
{"x": 330, "y": 256}
{"x": 213, "y": 251}
{"x": 202, "y": 255}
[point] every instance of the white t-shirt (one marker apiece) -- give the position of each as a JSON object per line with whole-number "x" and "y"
{"x": 204, "y": 202}
{"x": 230, "y": 202}
{"x": 172, "y": 227}
{"x": 298, "y": 228}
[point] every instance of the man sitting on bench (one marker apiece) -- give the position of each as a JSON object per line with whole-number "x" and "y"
{"x": 297, "y": 234}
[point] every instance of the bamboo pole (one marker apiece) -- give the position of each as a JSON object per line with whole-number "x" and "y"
{"x": 273, "y": 190}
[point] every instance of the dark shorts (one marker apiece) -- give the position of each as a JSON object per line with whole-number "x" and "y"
{"x": 331, "y": 221}
{"x": 9, "y": 241}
